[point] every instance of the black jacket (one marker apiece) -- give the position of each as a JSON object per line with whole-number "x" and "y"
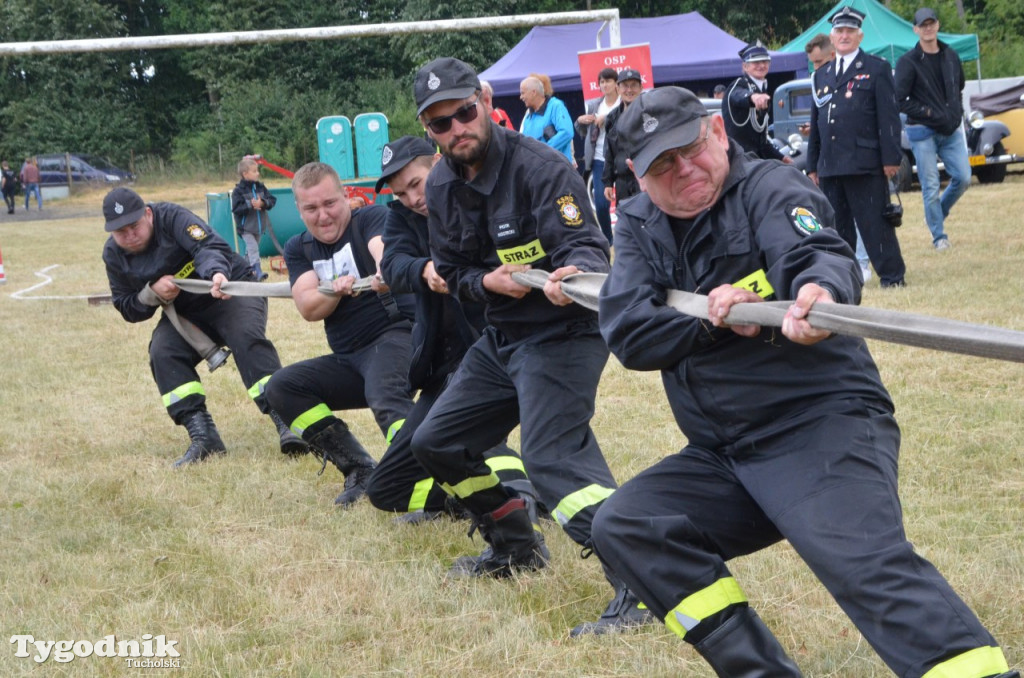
{"x": 444, "y": 329}
{"x": 616, "y": 171}
{"x": 769, "y": 232}
{"x": 855, "y": 124}
{"x": 740, "y": 117}
{"x": 526, "y": 206}
{"x": 247, "y": 219}
{"x": 183, "y": 246}
{"x": 918, "y": 97}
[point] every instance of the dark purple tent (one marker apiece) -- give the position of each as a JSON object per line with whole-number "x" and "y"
{"x": 686, "y": 49}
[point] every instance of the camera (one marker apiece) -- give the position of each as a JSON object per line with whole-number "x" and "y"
{"x": 893, "y": 211}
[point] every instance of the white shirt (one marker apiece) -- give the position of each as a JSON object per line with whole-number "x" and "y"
{"x": 602, "y": 110}
{"x": 847, "y": 61}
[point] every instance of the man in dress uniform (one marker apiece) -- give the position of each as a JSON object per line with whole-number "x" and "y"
{"x": 854, "y": 144}
{"x": 748, "y": 105}
{"x": 150, "y": 246}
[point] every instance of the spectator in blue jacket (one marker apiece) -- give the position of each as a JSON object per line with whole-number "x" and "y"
{"x": 547, "y": 119}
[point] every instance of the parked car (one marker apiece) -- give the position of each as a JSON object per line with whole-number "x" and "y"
{"x": 792, "y": 115}
{"x": 53, "y": 170}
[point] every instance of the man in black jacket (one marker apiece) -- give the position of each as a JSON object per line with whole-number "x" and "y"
{"x": 619, "y": 182}
{"x": 854, "y": 144}
{"x": 149, "y": 247}
{"x": 929, "y": 86}
{"x": 747, "y": 107}
{"x": 443, "y": 330}
{"x": 790, "y": 433}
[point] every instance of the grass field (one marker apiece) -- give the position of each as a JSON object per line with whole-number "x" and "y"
{"x": 247, "y": 565}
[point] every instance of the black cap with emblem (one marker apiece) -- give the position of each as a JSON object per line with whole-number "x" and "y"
{"x": 443, "y": 79}
{"x": 122, "y": 207}
{"x": 630, "y": 74}
{"x": 847, "y": 16}
{"x": 659, "y": 120}
{"x": 399, "y": 153}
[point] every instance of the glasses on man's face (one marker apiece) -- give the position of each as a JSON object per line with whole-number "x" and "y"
{"x": 464, "y": 114}
{"x": 667, "y": 160}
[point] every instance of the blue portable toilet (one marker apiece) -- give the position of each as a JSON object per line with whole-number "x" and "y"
{"x": 371, "y": 134}
{"x": 334, "y": 138}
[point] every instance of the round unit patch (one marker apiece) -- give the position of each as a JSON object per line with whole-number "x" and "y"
{"x": 804, "y": 221}
{"x": 569, "y": 211}
{"x": 196, "y": 232}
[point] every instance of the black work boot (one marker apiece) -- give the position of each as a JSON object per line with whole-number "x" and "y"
{"x": 515, "y": 544}
{"x": 291, "y": 444}
{"x": 743, "y": 647}
{"x": 625, "y": 611}
{"x": 337, "y": 445}
{"x": 204, "y": 436}
{"x": 453, "y": 508}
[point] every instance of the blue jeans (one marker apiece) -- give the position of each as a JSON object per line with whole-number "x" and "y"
{"x": 601, "y": 204}
{"x": 29, "y": 190}
{"x": 952, "y": 150}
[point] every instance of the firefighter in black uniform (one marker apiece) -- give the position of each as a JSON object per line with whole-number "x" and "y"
{"x": 368, "y": 331}
{"x": 619, "y": 182}
{"x": 150, "y": 246}
{"x": 747, "y": 105}
{"x": 499, "y": 203}
{"x": 854, "y": 144}
{"x": 443, "y": 330}
{"x": 789, "y": 437}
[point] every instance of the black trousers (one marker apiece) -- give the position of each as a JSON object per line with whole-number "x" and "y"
{"x": 240, "y": 323}
{"x": 9, "y": 199}
{"x": 402, "y": 484}
{"x": 829, "y": 486}
{"x": 546, "y": 383}
{"x": 858, "y": 200}
{"x": 306, "y": 394}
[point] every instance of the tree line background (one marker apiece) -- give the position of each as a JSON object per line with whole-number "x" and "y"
{"x": 201, "y": 109}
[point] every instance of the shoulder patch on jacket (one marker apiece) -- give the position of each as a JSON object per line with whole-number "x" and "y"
{"x": 804, "y": 221}
{"x": 569, "y": 210}
{"x": 196, "y": 232}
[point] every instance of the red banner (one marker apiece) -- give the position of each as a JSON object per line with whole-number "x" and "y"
{"x": 592, "y": 62}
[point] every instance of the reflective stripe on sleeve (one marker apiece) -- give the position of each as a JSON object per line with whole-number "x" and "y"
{"x": 182, "y": 392}
{"x": 310, "y": 417}
{"x": 976, "y": 663}
{"x": 699, "y": 606}
{"x": 590, "y": 495}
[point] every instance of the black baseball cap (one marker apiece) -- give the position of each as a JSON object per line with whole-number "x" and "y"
{"x": 399, "y": 153}
{"x": 122, "y": 207}
{"x": 630, "y": 74}
{"x": 659, "y": 120}
{"x": 443, "y": 79}
{"x": 925, "y": 14}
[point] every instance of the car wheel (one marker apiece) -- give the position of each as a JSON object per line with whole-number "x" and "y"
{"x": 904, "y": 179}
{"x": 992, "y": 174}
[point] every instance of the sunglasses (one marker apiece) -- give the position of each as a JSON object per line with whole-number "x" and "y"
{"x": 667, "y": 160}
{"x": 464, "y": 115}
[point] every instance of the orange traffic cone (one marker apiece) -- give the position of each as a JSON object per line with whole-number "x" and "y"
{"x": 3, "y": 278}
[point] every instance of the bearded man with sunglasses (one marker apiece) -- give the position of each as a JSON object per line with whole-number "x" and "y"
{"x": 788, "y": 436}
{"x": 499, "y": 202}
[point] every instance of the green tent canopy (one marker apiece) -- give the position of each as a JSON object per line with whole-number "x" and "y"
{"x": 886, "y": 34}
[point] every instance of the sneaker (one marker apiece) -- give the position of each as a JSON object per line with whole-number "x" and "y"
{"x": 943, "y": 244}
{"x": 865, "y": 272}
{"x": 624, "y": 612}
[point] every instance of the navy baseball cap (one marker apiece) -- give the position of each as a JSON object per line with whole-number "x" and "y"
{"x": 399, "y": 153}
{"x": 630, "y": 74}
{"x": 441, "y": 80}
{"x": 925, "y": 14}
{"x": 122, "y": 207}
{"x": 659, "y": 120}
